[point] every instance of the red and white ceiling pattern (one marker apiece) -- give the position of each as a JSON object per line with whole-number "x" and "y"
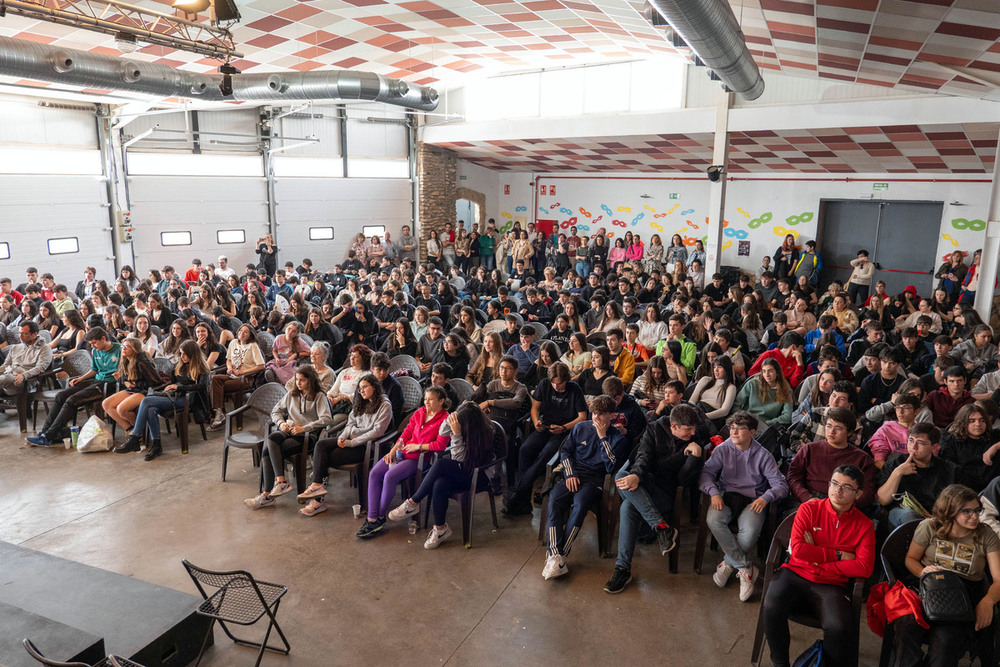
{"x": 902, "y": 149}
{"x": 881, "y": 42}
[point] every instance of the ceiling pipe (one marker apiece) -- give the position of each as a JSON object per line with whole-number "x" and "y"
{"x": 30, "y": 60}
{"x": 712, "y": 32}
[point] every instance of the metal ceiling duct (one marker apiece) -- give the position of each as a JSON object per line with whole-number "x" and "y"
{"x": 712, "y": 32}
{"x": 30, "y": 60}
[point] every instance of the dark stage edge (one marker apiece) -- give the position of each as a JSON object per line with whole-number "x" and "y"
{"x": 150, "y": 624}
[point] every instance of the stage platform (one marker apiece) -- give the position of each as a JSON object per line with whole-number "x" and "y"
{"x": 152, "y": 625}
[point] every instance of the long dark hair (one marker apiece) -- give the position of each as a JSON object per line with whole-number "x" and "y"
{"x": 478, "y": 433}
{"x": 363, "y": 407}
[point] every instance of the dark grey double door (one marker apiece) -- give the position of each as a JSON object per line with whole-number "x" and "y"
{"x": 901, "y": 238}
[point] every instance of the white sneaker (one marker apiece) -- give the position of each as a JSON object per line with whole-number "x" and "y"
{"x": 258, "y": 502}
{"x": 748, "y": 579}
{"x": 555, "y": 566}
{"x": 722, "y": 574}
{"x": 280, "y": 489}
{"x": 404, "y": 510}
{"x": 435, "y": 538}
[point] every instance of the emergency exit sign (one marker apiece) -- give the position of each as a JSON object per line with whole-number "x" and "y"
{"x": 880, "y": 186}
{"x": 674, "y": 195}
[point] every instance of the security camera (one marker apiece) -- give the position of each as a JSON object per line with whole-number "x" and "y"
{"x": 715, "y": 173}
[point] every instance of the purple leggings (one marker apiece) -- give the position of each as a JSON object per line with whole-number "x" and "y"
{"x": 382, "y": 482}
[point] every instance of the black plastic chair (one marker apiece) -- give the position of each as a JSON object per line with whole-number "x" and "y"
{"x": 893, "y": 557}
{"x": 777, "y": 555}
{"x": 467, "y": 498}
{"x": 359, "y": 471}
{"x": 110, "y": 661}
{"x": 704, "y": 532}
{"x": 240, "y": 599}
{"x": 74, "y": 365}
{"x": 605, "y": 509}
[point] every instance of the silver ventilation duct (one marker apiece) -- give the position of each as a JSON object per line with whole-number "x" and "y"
{"x": 30, "y": 60}
{"x": 711, "y": 31}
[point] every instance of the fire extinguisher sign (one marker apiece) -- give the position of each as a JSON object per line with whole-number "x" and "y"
{"x": 506, "y": 189}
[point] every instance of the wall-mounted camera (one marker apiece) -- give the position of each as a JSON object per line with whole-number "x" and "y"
{"x": 715, "y": 173}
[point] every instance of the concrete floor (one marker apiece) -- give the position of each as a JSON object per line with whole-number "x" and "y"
{"x": 384, "y": 601}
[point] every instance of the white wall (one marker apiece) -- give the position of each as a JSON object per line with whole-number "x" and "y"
{"x": 35, "y": 208}
{"x": 682, "y": 206}
{"x": 483, "y": 180}
{"x": 346, "y": 204}
{"x": 202, "y": 205}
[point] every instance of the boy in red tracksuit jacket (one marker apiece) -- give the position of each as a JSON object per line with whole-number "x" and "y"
{"x": 832, "y": 541}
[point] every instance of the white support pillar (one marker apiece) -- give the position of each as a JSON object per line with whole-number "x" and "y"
{"x": 717, "y": 193}
{"x": 991, "y": 248}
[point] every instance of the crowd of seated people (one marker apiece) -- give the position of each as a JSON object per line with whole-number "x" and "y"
{"x": 598, "y": 356}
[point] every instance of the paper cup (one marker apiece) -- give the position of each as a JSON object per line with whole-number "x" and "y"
{"x": 357, "y": 511}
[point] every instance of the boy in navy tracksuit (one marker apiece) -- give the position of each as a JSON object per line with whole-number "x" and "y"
{"x": 593, "y": 449}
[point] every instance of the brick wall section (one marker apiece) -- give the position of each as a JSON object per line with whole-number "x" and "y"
{"x": 437, "y": 172}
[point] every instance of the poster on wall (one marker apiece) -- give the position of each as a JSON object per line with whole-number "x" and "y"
{"x": 744, "y": 249}
{"x": 506, "y": 189}
{"x": 552, "y": 190}
{"x": 545, "y": 189}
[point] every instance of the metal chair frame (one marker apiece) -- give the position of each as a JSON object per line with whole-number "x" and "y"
{"x": 233, "y": 584}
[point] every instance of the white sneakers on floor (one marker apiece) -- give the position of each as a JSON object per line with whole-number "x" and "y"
{"x": 555, "y": 566}
{"x": 435, "y": 537}
{"x": 722, "y": 574}
{"x": 748, "y": 579}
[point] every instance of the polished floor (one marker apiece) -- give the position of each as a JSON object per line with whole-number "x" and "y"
{"x": 384, "y": 601}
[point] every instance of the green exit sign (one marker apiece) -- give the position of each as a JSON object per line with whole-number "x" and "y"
{"x": 463, "y": 178}
{"x": 674, "y": 195}
{"x": 880, "y": 186}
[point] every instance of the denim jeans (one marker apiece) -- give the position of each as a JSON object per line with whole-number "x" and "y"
{"x": 646, "y": 503}
{"x": 738, "y": 547}
{"x": 488, "y": 261}
{"x": 583, "y": 269}
{"x": 899, "y": 515}
{"x": 148, "y": 416}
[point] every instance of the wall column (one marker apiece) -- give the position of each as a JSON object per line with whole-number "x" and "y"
{"x": 437, "y": 171}
{"x": 717, "y": 193}
{"x": 991, "y": 247}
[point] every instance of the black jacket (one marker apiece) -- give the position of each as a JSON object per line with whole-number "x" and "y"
{"x": 660, "y": 458}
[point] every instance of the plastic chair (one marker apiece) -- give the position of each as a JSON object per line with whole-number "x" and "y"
{"x": 262, "y": 401}
{"x": 74, "y": 365}
{"x": 405, "y": 361}
{"x": 110, "y": 661}
{"x": 458, "y": 282}
{"x": 603, "y": 509}
{"x": 266, "y": 342}
{"x": 413, "y": 395}
{"x": 776, "y": 557}
{"x": 164, "y": 366}
{"x": 240, "y": 599}
{"x": 359, "y": 471}
{"x": 463, "y": 390}
{"x": 496, "y": 326}
{"x": 306, "y": 339}
{"x": 467, "y": 499}
{"x": 597, "y": 338}
{"x": 541, "y": 331}
{"x": 893, "y": 556}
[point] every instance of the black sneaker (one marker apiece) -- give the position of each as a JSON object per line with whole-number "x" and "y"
{"x": 370, "y": 528}
{"x": 667, "y": 538}
{"x": 620, "y": 578}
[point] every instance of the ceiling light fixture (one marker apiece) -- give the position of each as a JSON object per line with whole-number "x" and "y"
{"x": 191, "y": 6}
{"x": 125, "y": 42}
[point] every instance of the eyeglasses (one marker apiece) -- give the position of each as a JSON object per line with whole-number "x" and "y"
{"x": 739, "y": 428}
{"x": 968, "y": 512}
{"x": 843, "y": 487}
